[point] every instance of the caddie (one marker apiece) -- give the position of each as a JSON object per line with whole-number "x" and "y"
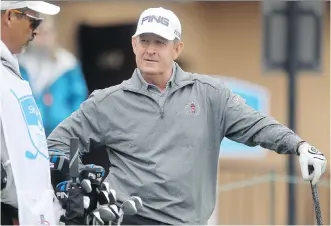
{"x": 27, "y": 195}
{"x": 26, "y": 192}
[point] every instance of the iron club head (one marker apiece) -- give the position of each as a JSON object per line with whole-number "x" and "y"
{"x": 129, "y": 207}
{"x": 138, "y": 202}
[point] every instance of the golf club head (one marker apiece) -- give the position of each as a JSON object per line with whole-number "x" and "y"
{"x": 115, "y": 210}
{"x": 86, "y": 185}
{"x": 58, "y": 161}
{"x": 129, "y": 207}
{"x": 61, "y": 192}
{"x": 103, "y": 198}
{"x": 92, "y": 172}
{"x": 97, "y": 217}
{"x": 105, "y": 186}
{"x": 138, "y": 202}
{"x": 86, "y": 202}
{"x": 106, "y": 214}
{"x": 59, "y": 167}
{"x": 112, "y": 196}
{"x": 112, "y": 193}
{"x": 106, "y": 195}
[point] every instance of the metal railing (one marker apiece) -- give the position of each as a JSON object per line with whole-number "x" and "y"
{"x": 272, "y": 179}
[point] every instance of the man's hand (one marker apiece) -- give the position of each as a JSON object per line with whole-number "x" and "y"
{"x": 309, "y": 156}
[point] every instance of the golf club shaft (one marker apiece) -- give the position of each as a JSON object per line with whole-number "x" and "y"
{"x": 318, "y": 212}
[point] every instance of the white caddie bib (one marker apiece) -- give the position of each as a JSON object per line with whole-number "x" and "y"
{"x": 27, "y": 148}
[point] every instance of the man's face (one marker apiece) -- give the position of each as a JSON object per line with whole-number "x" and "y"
{"x": 154, "y": 54}
{"x": 22, "y": 27}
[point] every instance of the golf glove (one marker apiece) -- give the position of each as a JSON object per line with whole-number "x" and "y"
{"x": 311, "y": 158}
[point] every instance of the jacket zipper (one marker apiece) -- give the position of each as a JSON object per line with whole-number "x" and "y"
{"x": 161, "y": 108}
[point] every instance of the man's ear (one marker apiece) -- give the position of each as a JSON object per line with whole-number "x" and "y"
{"x": 178, "y": 48}
{"x": 6, "y": 17}
{"x": 134, "y": 44}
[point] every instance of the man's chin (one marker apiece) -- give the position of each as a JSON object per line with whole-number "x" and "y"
{"x": 149, "y": 68}
{"x": 23, "y": 49}
{"x": 19, "y": 51}
{"x": 149, "y": 71}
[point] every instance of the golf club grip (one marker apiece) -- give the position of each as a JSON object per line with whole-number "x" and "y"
{"x": 318, "y": 212}
{"x": 74, "y": 161}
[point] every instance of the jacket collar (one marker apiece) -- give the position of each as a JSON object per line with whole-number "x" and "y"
{"x": 145, "y": 84}
{"x": 9, "y": 60}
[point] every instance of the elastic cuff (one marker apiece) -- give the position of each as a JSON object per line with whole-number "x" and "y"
{"x": 298, "y": 145}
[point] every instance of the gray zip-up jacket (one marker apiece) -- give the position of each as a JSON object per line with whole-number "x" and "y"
{"x": 168, "y": 154}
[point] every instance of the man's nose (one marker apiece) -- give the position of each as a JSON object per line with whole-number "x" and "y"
{"x": 151, "y": 48}
{"x": 33, "y": 35}
{"x": 36, "y": 31}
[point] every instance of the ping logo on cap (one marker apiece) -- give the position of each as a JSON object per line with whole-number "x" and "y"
{"x": 157, "y": 19}
{"x": 176, "y": 32}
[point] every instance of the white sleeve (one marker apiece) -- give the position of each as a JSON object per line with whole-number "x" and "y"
{"x": 1, "y": 90}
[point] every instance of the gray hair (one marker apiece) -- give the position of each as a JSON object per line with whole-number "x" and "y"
{"x": 175, "y": 41}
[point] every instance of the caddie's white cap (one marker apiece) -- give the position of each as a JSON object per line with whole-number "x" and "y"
{"x": 37, "y": 6}
{"x": 161, "y": 22}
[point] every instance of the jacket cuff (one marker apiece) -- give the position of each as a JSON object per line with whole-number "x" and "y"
{"x": 291, "y": 144}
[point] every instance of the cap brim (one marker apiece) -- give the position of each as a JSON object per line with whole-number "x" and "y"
{"x": 44, "y": 8}
{"x": 158, "y": 32}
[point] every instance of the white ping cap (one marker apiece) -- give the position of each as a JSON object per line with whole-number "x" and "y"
{"x": 37, "y": 6}
{"x": 161, "y": 22}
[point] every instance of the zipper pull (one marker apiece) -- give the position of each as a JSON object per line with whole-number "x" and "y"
{"x": 162, "y": 113}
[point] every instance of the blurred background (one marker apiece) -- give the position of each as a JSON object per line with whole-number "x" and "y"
{"x": 90, "y": 42}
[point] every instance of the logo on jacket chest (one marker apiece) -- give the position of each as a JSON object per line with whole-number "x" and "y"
{"x": 192, "y": 108}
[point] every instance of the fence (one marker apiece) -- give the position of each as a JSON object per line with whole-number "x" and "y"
{"x": 254, "y": 198}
